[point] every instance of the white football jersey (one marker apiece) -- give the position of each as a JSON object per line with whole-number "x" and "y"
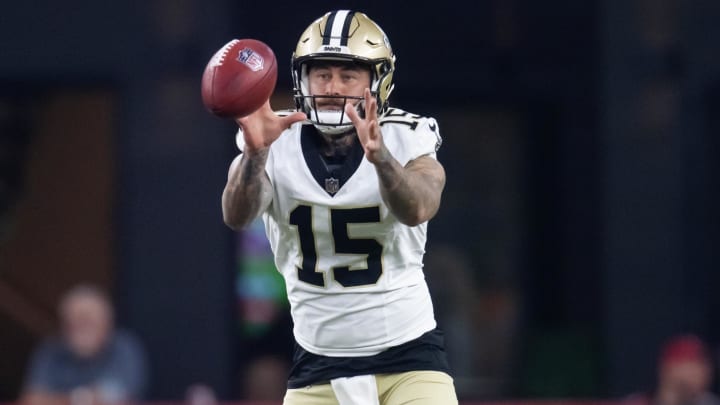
{"x": 353, "y": 272}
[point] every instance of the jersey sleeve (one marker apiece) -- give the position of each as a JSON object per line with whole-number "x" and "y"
{"x": 427, "y": 139}
{"x": 239, "y": 140}
{"x": 410, "y": 136}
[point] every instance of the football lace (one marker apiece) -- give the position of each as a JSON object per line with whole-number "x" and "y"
{"x": 219, "y": 57}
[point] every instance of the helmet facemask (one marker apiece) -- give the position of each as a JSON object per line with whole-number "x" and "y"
{"x": 329, "y": 121}
{"x": 332, "y": 121}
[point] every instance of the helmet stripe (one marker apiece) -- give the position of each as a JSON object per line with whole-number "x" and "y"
{"x": 338, "y": 26}
{"x": 346, "y": 29}
{"x": 327, "y": 32}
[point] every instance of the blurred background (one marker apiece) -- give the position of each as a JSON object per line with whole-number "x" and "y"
{"x": 579, "y": 228}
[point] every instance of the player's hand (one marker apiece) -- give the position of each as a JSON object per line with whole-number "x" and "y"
{"x": 261, "y": 128}
{"x": 368, "y": 129}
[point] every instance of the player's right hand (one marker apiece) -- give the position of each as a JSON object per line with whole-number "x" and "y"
{"x": 261, "y": 128}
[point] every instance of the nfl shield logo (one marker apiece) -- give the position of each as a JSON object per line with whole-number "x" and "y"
{"x": 332, "y": 185}
{"x": 251, "y": 59}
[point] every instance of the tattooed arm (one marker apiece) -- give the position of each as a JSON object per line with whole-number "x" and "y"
{"x": 411, "y": 192}
{"x": 248, "y": 191}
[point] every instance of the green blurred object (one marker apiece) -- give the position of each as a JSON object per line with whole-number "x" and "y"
{"x": 561, "y": 363}
{"x": 260, "y": 288}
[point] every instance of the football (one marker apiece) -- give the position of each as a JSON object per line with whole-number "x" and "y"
{"x": 239, "y": 78}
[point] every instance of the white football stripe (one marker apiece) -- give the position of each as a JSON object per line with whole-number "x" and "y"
{"x": 337, "y": 27}
{"x": 220, "y": 55}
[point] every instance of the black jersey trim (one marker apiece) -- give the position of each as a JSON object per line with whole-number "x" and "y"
{"x": 310, "y": 142}
{"x": 426, "y": 353}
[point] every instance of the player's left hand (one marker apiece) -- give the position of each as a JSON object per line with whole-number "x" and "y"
{"x": 368, "y": 129}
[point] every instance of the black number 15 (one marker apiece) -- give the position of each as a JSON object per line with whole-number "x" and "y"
{"x": 301, "y": 217}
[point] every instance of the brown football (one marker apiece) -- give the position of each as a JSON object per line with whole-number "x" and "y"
{"x": 239, "y": 78}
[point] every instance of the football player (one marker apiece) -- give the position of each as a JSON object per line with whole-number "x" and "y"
{"x": 346, "y": 187}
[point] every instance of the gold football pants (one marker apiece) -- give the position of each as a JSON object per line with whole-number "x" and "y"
{"x": 411, "y": 388}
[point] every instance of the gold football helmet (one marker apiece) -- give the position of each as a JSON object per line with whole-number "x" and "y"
{"x": 346, "y": 36}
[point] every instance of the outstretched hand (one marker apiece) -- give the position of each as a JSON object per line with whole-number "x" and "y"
{"x": 261, "y": 128}
{"x": 368, "y": 129}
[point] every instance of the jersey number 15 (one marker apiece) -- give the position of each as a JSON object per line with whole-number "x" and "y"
{"x": 301, "y": 217}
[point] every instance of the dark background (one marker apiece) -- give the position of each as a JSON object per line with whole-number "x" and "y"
{"x": 579, "y": 227}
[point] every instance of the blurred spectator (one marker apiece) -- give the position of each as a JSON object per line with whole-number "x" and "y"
{"x": 684, "y": 374}
{"x": 91, "y": 362}
{"x": 266, "y": 379}
{"x": 480, "y": 339}
{"x": 200, "y": 394}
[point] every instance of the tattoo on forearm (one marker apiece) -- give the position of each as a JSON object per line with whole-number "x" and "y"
{"x": 412, "y": 193}
{"x": 254, "y": 178}
{"x": 252, "y": 169}
{"x": 248, "y": 191}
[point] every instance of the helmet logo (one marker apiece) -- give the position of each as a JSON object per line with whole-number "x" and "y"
{"x": 252, "y": 59}
{"x": 328, "y": 48}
